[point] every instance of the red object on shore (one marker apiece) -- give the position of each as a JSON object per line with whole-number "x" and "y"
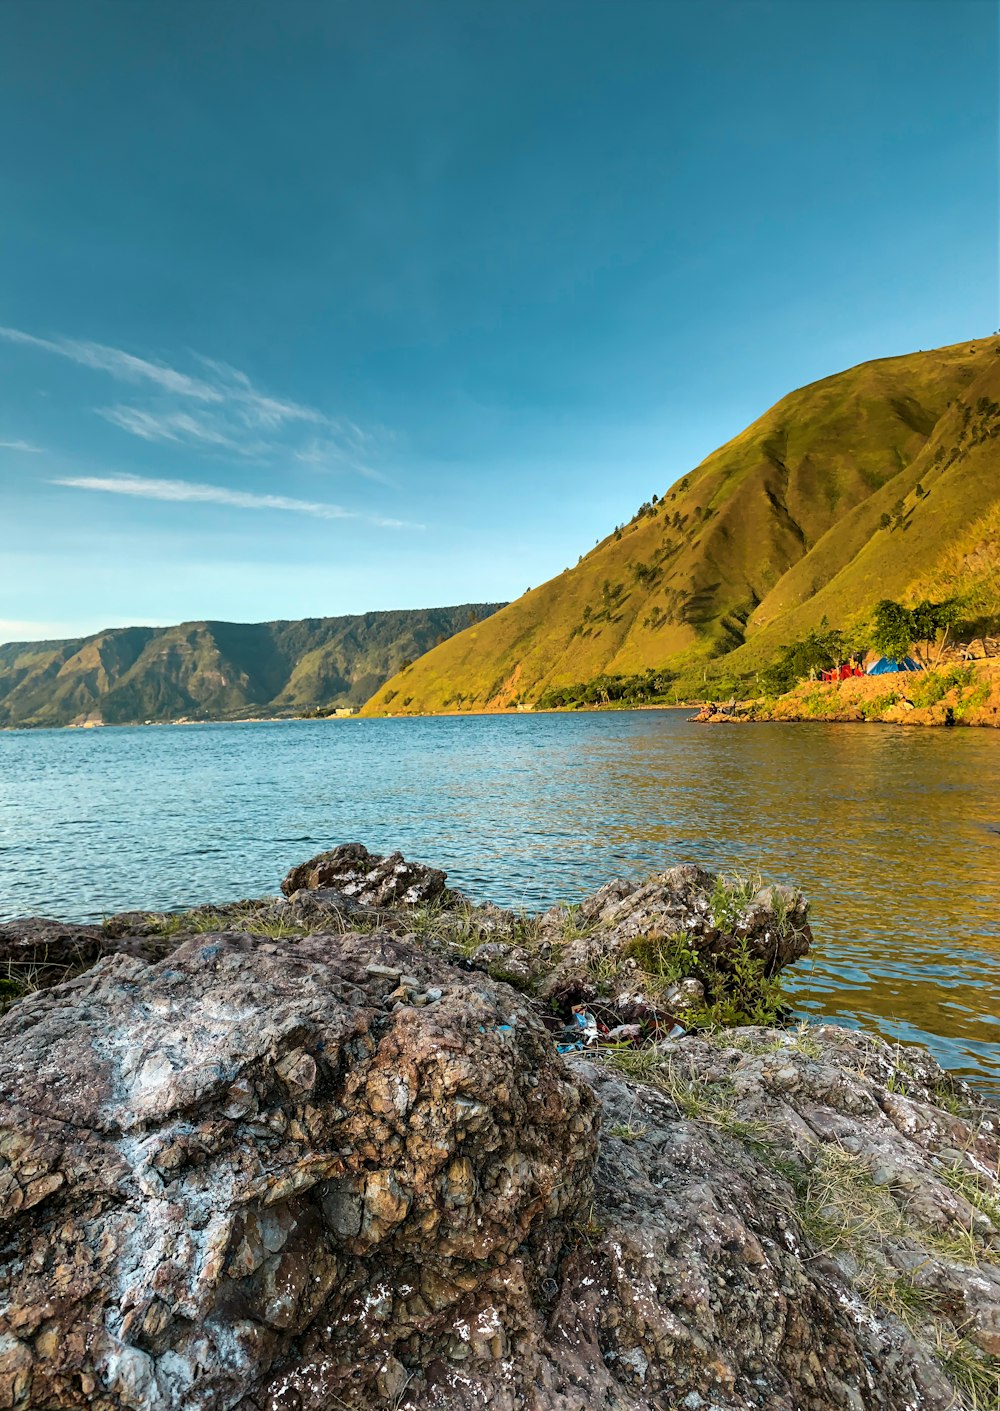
{"x": 844, "y": 672}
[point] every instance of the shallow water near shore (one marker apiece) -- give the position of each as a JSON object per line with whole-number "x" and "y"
{"x": 894, "y": 834}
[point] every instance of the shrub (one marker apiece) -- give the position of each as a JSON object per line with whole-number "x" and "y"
{"x": 640, "y": 689}
{"x": 819, "y": 651}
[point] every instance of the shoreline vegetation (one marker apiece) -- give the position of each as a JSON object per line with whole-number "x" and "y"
{"x": 960, "y": 694}
{"x": 935, "y": 663}
{"x": 433, "y": 1149}
{"x": 966, "y": 694}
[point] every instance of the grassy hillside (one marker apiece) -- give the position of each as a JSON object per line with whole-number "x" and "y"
{"x": 217, "y": 670}
{"x": 776, "y": 530}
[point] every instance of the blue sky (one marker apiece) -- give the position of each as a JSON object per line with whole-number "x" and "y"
{"x": 311, "y": 307}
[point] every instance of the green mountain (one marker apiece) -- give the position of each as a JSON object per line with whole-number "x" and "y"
{"x": 854, "y": 488}
{"x": 217, "y": 670}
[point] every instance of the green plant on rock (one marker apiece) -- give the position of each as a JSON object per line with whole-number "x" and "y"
{"x": 976, "y": 698}
{"x": 740, "y": 992}
{"x": 873, "y": 709}
{"x": 740, "y": 988}
{"x": 969, "y": 1183}
{"x": 463, "y": 928}
{"x": 457, "y": 928}
{"x": 707, "y": 1101}
{"x": 170, "y": 923}
{"x": 573, "y": 928}
{"x": 842, "y": 1209}
{"x": 975, "y": 1374}
{"x": 822, "y": 701}
{"x": 272, "y": 926}
{"x": 250, "y": 921}
{"x": 896, "y": 1083}
{"x": 732, "y": 894}
{"x": 750, "y": 1040}
{"x": 945, "y": 1096}
{"x": 628, "y": 1131}
{"x": 17, "y": 983}
{"x": 663, "y": 960}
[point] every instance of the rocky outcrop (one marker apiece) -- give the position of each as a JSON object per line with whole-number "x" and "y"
{"x": 36, "y": 953}
{"x": 778, "y": 1224}
{"x": 715, "y": 913}
{"x": 348, "y": 1169}
{"x": 687, "y": 920}
{"x": 368, "y": 879}
{"x": 238, "y": 1173}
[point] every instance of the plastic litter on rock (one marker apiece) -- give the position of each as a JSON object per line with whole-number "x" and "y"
{"x": 624, "y": 1022}
{"x": 583, "y": 1019}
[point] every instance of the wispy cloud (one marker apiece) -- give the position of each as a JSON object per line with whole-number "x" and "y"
{"x": 260, "y": 409}
{"x": 124, "y": 366}
{"x": 21, "y": 446}
{"x": 146, "y": 488}
{"x": 329, "y": 453}
{"x": 178, "y": 426}
{"x": 231, "y": 416}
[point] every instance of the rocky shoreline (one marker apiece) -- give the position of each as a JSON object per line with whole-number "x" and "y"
{"x": 958, "y": 695}
{"x": 367, "y": 1145}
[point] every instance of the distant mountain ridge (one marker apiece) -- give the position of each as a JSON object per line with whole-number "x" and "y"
{"x": 880, "y": 481}
{"x": 218, "y": 670}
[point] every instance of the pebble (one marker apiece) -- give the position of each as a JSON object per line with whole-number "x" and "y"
{"x": 383, "y": 971}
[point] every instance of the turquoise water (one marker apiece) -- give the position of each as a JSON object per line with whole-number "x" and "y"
{"x": 894, "y": 834}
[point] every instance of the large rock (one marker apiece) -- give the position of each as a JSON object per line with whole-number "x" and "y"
{"x": 718, "y": 914}
{"x": 779, "y": 1225}
{"x": 368, "y": 879}
{"x": 253, "y": 1167}
{"x": 720, "y": 923}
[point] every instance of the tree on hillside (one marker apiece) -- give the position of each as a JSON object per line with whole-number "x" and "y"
{"x": 892, "y": 629}
{"x": 896, "y": 630}
{"x": 932, "y": 621}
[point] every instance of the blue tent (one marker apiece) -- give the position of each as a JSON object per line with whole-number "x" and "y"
{"x": 885, "y": 666}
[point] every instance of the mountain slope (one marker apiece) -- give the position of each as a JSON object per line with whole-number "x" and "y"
{"x": 776, "y": 529}
{"x": 217, "y": 670}
{"x": 858, "y": 561}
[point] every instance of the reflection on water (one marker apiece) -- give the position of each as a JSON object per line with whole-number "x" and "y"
{"x": 894, "y": 834}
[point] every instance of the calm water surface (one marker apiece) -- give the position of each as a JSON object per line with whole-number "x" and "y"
{"x": 894, "y": 834}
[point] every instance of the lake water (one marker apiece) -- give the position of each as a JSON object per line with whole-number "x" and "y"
{"x": 894, "y": 834}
